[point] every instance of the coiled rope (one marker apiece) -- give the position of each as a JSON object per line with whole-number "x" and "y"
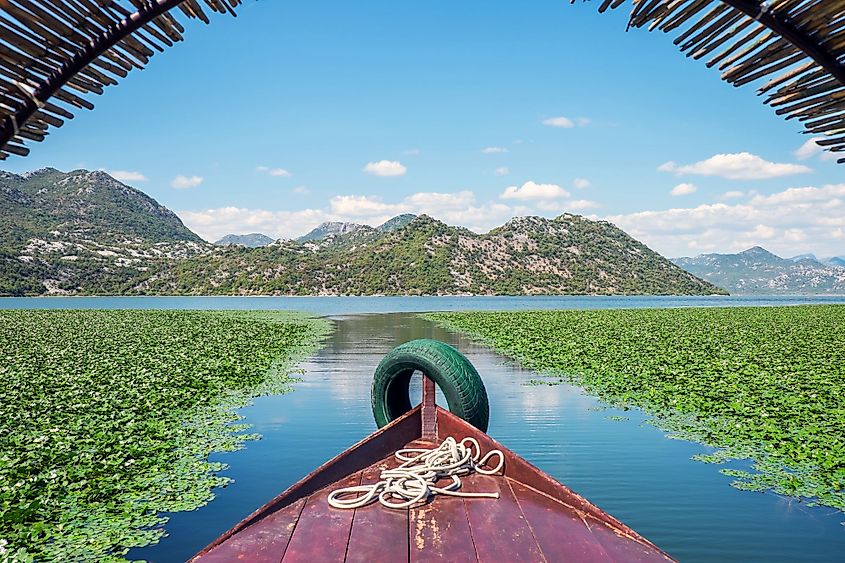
{"x": 416, "y": 478}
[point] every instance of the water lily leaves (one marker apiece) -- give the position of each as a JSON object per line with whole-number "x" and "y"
{"x": 760, "y": 383}
{"x": 107, "y": 419}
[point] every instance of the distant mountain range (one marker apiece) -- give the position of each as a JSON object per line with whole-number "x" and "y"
{"x": 86, "y": 233}
{"x": 757, "y": 270}
{"x": 322, "y": 232}
{"x": 332, "y": 229}
{"x": 252, "y": 240}
{"x": 830, "y": 261}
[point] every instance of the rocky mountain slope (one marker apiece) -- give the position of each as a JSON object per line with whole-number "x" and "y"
{"x": 62, "y": 232}
{"x": 86, "y": 233}
{"x": 528, "y": 255}
{"x": 336, "y": 231}
{"x": 830, "y": 261}
{"x": 757, "y": 270}
{"x": 251, "y": 240}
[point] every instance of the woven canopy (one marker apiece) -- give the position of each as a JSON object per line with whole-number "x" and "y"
{"x": 54, "y": 53}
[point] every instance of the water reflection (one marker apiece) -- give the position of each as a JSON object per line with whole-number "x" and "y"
{"x": 629, "y": 469}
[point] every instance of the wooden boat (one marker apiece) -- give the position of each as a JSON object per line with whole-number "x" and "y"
{"x": 535, "y": 517}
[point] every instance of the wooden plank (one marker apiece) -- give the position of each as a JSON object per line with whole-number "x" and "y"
{"x": 560, "y": 531}
{"x": 620, "y": 547}
{"x": 263, "y": 542}
{"x": 518, "y": 469}
{"x": 428, "y": 409}
{"x": 499, "y": 529}
{"x": 322, "y": 533}
{"x": 378, "y": 533}
{"x": 439, "y": 531}
{"x": 374, "y": 447}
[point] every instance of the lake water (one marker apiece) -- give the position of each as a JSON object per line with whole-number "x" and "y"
{"x": 325, "y": 306}
{"x": 627, "y": 468}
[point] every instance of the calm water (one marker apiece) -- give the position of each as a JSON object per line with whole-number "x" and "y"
{"x": 627, "y": 468}
{"x": 325, "y": 306}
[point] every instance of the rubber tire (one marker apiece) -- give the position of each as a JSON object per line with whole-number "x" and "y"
{"x": 450, "y": 370}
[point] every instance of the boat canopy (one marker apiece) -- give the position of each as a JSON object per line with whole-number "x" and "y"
{"x": 55, "y": 53}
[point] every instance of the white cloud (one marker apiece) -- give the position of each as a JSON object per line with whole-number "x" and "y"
{"x": 736, "y": 166}
{"x": 795, "y": 235}
{"x": 774, "y": 221}
{"x": 301, "y": 190}
{"x": 184, "y": 182}
{"x": 581, "y": 183}
{"x": 412, "y": 152}
{"x": 502, "y": 171}
{"x": 213, "y": 224}
{"x": 494, "y": 150}
{"x": 441, "y": 205}
{"x": 809, "y": 149}
{"x": 362, "y": 206}
{"x": 385, "y": 168}
{"x": 126, "y": 175}
{"x": 566, "y": 122}
{"x": 733, "y": 194}
{"x": 763, "y": 232}
{"x": 683, "y": 189}
{"x": 455, "y": 208}
{"x": 557, "y": 206}
{"x": 561, "y": 121}
{"x": 532, "y": 190}
{"x": 277, "y": 172}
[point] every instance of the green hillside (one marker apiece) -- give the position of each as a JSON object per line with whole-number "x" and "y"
{"x": 528, "y": 255}
{"x": 86, "y": 233}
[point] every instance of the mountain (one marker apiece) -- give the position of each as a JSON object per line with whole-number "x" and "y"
{"x": 82, "y": 205}
{"x": 334, "y": 232}
{"x": 757, "y": 270}
{"x": 252, "y": 240}
{"x": 836, "y": 261}
{"x": 396, "y": 223}
{"x": 83, "y": 231}
{"x": 86, "y": 233}
{"x": 807, "y": 256}
{"x": 330, "y": 228}
{"x": 528, "y": 255}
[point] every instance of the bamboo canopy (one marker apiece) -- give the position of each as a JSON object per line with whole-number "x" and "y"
{"x": 53, "y": 53}
{"x": 794, "y": 50}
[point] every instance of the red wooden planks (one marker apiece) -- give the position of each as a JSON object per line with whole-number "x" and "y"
{"x": 428, "y": 412}
{"x": 322, "y": 532}
{"x": 620, "y": 547}
{"x": 439, "y": 531}
{"x": 264, "y": 541}
{"x": 378, "y": 533}
{"x": 560, "y": 531}
{"x": 499, "y": 529}
{"x": 360, "y": 456}
{"x": 518, "y": 469}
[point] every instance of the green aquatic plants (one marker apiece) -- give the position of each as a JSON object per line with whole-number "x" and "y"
{"x": 107, "y": 418}
{"x": 765, "y": 383}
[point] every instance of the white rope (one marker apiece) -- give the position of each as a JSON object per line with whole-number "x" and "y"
{"x": 416, "y": 478}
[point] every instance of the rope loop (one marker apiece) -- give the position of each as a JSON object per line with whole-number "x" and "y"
{"x": 415, "y": 480}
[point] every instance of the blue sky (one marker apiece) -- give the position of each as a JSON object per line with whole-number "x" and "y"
{"x": 268, "y": 122}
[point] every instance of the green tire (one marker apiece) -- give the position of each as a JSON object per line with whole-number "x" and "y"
{"x": 450, "y": 370}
